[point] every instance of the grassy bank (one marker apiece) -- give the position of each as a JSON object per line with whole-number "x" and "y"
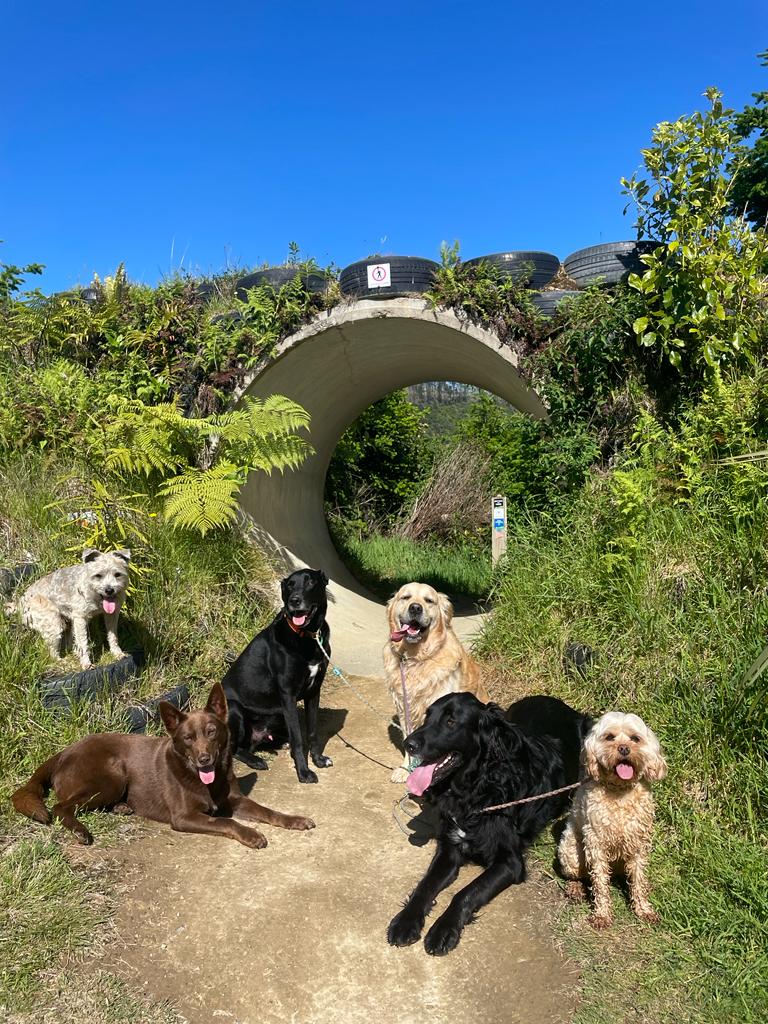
{"x": 674, "y": 627}
{"x": 385, "y": 563}
{"x": 191, "y": 601}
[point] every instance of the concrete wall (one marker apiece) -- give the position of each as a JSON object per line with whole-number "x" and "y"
{"x": 336, "y": 367}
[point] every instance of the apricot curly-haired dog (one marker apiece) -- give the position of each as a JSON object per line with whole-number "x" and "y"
{"x": 611, "y": 820}
{"x": 423, "y": 645}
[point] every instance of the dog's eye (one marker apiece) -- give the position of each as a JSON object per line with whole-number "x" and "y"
{"x": 451, "y": 723}
{"x": 211, "y": 730}
{"x": 609, "y": 736}
{"x": 635, "y": 739}
{"x": 429, "y": 600}
{"x": 98, "y": 575}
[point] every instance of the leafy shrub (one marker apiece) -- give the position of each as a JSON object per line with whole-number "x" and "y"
{"x": 379, "y": 462}
{"x": 703, "y": 285}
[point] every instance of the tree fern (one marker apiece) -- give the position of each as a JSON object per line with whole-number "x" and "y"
{"x": 201, "y": 463}
{"x": 202, "y": 500}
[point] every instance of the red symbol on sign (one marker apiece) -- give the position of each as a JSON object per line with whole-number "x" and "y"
{"x": 379, "y": 273}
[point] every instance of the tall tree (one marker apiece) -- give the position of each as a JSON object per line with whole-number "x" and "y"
{"x": 749, "y": 192}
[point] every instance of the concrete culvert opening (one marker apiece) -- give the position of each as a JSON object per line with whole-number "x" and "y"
{"x": 335, "y": 367}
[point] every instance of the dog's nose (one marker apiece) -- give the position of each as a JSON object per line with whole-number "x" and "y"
{"x": 411, "y": 745}
{"x": 204, "y": 759}
{"x": 109, "y": 591}
{"x": 624, "y": 751}
{"x": 414, "y": 609}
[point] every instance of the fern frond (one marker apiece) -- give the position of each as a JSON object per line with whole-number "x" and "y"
{"x": 202, "y": 500}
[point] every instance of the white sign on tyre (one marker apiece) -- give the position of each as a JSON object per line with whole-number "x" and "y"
{"x": 379, "y": 276}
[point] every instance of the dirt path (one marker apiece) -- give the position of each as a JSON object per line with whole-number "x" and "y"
{"x": 294, "y": 934}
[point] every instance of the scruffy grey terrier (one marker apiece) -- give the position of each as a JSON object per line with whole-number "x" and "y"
{"x": 72, "y": 596}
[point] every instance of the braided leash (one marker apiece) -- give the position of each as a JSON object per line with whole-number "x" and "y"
{"x": 529, "y": 799}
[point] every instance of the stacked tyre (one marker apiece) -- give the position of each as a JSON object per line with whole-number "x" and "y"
{"x": 533, "y": 269}
{"x": 607, "y": 264}
{"x": 276, "y": 277}
{"x": 388, "y": 277}
{"x": 547, "y": 302}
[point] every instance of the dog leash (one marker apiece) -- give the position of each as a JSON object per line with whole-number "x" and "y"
{"x": 336, "y": 671}
{"x": 529, "y": 799}
{"x": 406, "y": 707}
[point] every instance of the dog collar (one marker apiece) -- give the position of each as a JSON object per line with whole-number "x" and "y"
{"x": 299, "y": 631}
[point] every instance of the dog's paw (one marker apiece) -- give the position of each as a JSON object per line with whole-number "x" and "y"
{"x": 83, "y": 836}
{"x": 253, "y": 839}
{"x": 404, "y": 929}
{"x": 575, "y": 891}
{"x": 599, "y": 921}
{"x": 442, "y": 937}
{"x": 647, "y": 914}
{"x": 306, "y": 775}
{"x": 321, "y": 761}
{"x": 122, "y": 809}
{"x": 301, "y": 824}
{"x": 399, "y": 775}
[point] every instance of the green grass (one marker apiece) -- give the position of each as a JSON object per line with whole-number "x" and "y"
{"x": 675, "y": 629}
{"x": 384, "y": 564}
{"x": 190, "y": 602}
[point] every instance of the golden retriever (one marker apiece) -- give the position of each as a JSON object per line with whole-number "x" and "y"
{"x": 422, "y": 642}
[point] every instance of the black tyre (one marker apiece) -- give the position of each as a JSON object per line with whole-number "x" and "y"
{"x": 277, "y": 277}
{"x": 11, "y": 578}
{"x": 221, "y": 318}
{"x": 206, "y": 290}
{"x": 607, "y": 264}
{"x": 60, "y": 691}
{"x": 548, "y": 302}
{"x": 405, "y": 275}
{"x": 140, "y": 715}
{"x": 534, "y": 269}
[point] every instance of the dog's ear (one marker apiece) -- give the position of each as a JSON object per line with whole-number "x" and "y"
{"x": 498, "y": 737}
{"x": 217, "y": 702}
{"x": 90, "y": 553}
{"x": 655, "y": 764}
{"x": 589, "y": 756}
{"x": 323, "y": 577}
{"x": 172, "y": 717}
{"x": 391, "y": 612}
{"x": 123, "y": 553}
{"x": 446, "y": 608}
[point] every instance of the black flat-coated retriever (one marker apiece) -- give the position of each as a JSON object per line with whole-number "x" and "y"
{"x": 283, "y": 664}
{"x": 474, "y": 756}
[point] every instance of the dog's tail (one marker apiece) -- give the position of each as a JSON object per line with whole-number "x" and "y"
{"x": 29, "y": 799}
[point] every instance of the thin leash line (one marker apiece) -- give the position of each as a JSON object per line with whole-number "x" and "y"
{"x": 529, "y": 799}
{"x": 357, "y": 750}
{"x": 364, "y": 700}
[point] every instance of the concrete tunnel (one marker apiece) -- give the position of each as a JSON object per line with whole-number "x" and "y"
{"x": 335, "y": 367}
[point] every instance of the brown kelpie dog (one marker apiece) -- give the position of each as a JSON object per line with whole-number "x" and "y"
{"x": 184, "y": 779}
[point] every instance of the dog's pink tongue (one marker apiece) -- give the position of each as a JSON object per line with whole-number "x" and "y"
{"x": 109, "y": 606}
{"x": 206, "y": 777}
{"x": 298, "y": 620}
{"x": 625, "y": 771}
{"x": 420, "y": 779}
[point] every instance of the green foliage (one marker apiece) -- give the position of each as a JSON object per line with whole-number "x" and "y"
{"x": 12, "y": 278}
{"x": 675, "y": 626}
{"x": 460, "y": 569}
{"x": 749, "y": 194}
{"x": 130, "y": 384}
{"x": 703, "y": 285}
{"x": 481, "y": 294}
{"x": 379, "y": 462}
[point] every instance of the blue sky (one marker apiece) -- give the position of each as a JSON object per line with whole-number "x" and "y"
{"x": 194, "y": 135}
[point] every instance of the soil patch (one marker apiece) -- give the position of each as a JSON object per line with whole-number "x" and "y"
{"x": 295, "y": 933}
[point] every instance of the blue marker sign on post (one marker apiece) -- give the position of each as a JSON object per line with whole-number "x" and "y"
{"x": 499, "y": 531}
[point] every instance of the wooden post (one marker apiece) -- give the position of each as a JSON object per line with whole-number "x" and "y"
{"x": 498, "y": 527}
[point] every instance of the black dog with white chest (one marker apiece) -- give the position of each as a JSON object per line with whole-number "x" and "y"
{"x": 474, "y": 756}
{"x": 283, "y": 664}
